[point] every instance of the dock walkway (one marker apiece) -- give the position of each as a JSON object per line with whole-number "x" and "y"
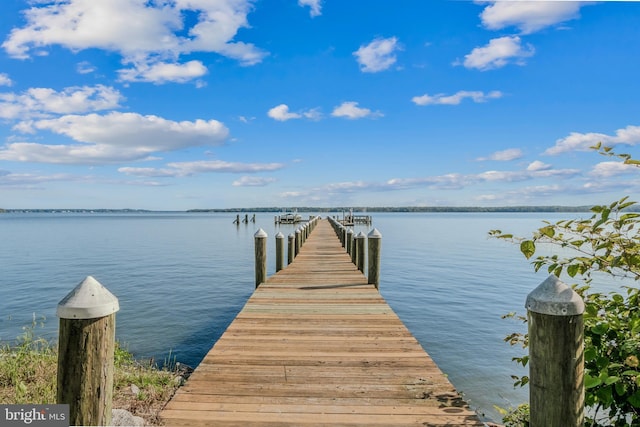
{"x": 316, "y": 345}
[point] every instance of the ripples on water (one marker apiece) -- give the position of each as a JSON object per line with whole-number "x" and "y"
{"x": 181, "y": 279}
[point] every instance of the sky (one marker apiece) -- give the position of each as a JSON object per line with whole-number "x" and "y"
{"x": 192, "y": 104}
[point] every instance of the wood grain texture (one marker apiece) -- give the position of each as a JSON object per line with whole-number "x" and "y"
{"x": 316, "y": 345}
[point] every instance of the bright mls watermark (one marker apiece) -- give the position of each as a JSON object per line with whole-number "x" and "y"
{"x": 34, "y": 415}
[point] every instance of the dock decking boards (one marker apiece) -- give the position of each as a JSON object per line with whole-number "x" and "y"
{"x": 316, "y": 345}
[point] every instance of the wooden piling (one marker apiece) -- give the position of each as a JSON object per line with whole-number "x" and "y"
{"x": 86, "y": 346}
{"x": 261, "y": 256}
{"x": 360, "y": 251}
{"x": 298, "y": 242}
{"x": 291, "y": 248}
{"x": 349, "y": 242}
{"x": 374, "y": 238}
{"x": 556, "y": 355}
{"x": 279, "y": 251}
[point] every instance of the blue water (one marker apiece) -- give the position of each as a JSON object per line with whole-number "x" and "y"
{"x": 182, "y": 277}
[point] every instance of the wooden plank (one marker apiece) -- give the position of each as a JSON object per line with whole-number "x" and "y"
{"x": 317, "y": 345}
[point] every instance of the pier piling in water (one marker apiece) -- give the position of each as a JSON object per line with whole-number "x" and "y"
{"x": 261, "y": 256}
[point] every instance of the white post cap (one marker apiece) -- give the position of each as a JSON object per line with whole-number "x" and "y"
{"x": 374, "y": 234}
{"x": 279, "y": 235}
{"x": 88, "y": 300}
{"x": 360, "y": 235}
{"x": 260, "y": 233}
{"x": 555, "y": 298}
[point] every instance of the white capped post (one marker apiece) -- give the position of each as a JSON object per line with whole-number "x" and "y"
{"x": 86, "y": 346}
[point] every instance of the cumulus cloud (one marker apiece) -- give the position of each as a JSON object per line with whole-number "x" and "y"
{"x": 504, "y": 155}
{"x": 455, "y": 99}
{"x": 583, "y": 141}
{"x": 609, "y": 169}
{"x": 281, "y": 113}
{"x": 148, "y": 35}
{"x": 528, "y": 16}
{"x": 43, "y": 102}
{"x": 315, "y": 6}
{"x": 498, "y": 53}
{"x": 537, "y": 165}
{"x": 253, "y": 181}
{"x": 378, "y": 55}
{"x": 350, "y": 110}
{"x": 5, "y": 80}
{"x": 163, "y": 72}
{"x": 113, "y": 137}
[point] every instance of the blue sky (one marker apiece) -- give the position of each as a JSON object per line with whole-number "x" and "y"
{"x": 180, "y": 104}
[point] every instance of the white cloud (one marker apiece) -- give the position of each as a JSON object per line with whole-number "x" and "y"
{"x": 162, "y": 72}
{"x": 378, "y": 55}
{"x": 282, "y": 113}
{"x": 42, "y": 102}
{"x": 583, "y": 141}
{"x": 498, "y": 53}
{"x": 145, "y": 34}
{"x": 537, "y": 165}
{"x": 5, "y": 80}
{"x": 529, "y": 16}
{"x": 504, "y": 155}
{"x": 609, "y": 169}
{"x": 315, "y": 6}
{"x": 114, "y": 137}
{"x": 455, "y": 99}
{"x": 253, "y": 181}
{"x": 85, "y": 67}
{"x": 181, "y": 169}
{"x": 350, "y": 110}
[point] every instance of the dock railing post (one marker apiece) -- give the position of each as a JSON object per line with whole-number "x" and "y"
{"x": 86, "y": 347}
{"x": 292, "y": 248}
{"x": 556, "y": 355}
{"x": 261, "y": 256}
{"x": 349, "y": 241}
{"x": 279, "y": 251}
{"x": 374, "y": 238}
{"x": 298, "y": 241}
{"x": 360, "y": 251}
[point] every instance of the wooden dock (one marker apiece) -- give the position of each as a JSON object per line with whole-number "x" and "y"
{"x": 316, "y": 345}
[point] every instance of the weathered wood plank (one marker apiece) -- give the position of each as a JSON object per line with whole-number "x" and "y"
{"x": 317, "y": 345}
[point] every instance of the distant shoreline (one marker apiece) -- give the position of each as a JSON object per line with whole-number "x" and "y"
{"x": 305, "y": 209}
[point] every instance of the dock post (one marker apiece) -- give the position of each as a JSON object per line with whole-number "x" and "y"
{"x": 349, "y": 241}
{"x": 279, "y": 251}
{"x": 261, "y": 256}
{"x": 86, "y": 347}
{"x": 292, "y": 248}
{"x": 374, "y": 240}
{"x": 556, "y": 355}
{"x": 298, "y": 241}
{"x": 360, "y": 251}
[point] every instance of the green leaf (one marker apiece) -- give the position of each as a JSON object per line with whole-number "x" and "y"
{"x": 590, "y": 354}
{"x": 611, "y": 380}
{"x": 634, "y": 399}
{"x": 573, "y": 269}
{"x": 528, "y": 248}
{"x": 548, "y": 231}
{"x": 591, "y": 382}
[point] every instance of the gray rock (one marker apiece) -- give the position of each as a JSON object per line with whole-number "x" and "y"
{"x": 122, "y": 418}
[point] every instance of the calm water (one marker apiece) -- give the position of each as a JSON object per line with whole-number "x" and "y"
{"x": 181, "y": 279}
